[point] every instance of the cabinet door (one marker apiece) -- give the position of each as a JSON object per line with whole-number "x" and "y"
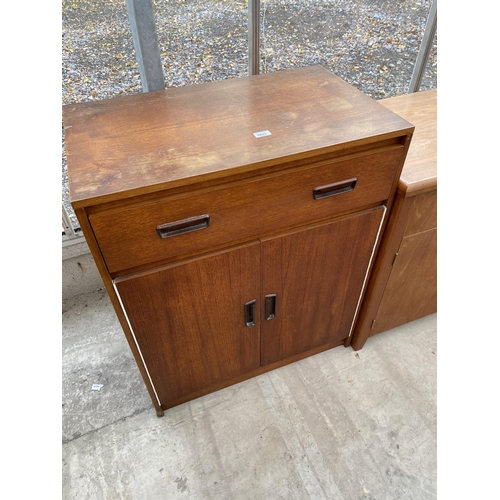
{"x": 411, "y": 291}
{"x": 189, "y": 320}
{"x": 317, "y": 276}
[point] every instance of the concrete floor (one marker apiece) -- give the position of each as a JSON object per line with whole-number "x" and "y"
{"x": 338, "y": 425}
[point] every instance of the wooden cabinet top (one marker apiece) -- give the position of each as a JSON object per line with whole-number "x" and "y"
{"x": 143, "y": 143}
{"x": 420, "y": 169}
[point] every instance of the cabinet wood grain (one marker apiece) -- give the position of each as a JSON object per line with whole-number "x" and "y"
{"x": 422, "y": 213}
{"x": 143, "y": 143}
{"x": 128, "y": 236}
{"x": 188, "y": 320}
{"x": 411, "y": 291}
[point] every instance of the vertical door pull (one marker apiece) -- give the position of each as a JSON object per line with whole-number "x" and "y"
{"x": 270, "y": 306}
{"x": 250, "y": 313}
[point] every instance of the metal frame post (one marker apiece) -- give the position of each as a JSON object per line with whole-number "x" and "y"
{"x": 69, "y": 232}
{"x": 425, "y": 49}
{"x": 253, "y": 37}
{"x": 142, "y": 23}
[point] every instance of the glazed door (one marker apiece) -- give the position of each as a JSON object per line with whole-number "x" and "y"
{"x": 191, "y": 323}
{"x": 312, "y": 280}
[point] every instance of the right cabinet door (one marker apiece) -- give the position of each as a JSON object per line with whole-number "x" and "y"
{"x": 313, "y": 279}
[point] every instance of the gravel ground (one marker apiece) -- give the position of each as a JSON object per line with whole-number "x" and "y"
{"x": 372, "y": 44}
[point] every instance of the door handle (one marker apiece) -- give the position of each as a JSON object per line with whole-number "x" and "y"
{"x": 250, "y": 313}
{"x": 270, "y": 306}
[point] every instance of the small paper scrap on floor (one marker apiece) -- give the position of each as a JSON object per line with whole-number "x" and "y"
{"x": 96, "y": 387}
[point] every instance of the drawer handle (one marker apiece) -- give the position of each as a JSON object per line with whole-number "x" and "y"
{"x": 333, "y": 189}
{"x": 270, "y": 306}
{"x": 183, "y": 226}
{"x": 250, "y": 313}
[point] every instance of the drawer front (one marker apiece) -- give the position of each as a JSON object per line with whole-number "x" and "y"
{"x": 423, "y": 213}
{"x": 179, "y": 226}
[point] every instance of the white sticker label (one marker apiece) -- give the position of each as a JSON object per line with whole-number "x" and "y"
{"x": 263, "y": 133}
{"x": 97, "y": 387}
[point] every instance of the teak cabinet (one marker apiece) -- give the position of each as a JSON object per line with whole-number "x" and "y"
{"x": 403, "y": 285}
{"x": 234, "y": 223}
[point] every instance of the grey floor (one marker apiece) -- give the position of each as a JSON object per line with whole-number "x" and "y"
{"x": 338, "y": 425}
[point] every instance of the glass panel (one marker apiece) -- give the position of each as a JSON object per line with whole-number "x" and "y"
{"x": 202, "y": 41}
{"x": 372, "y": 44}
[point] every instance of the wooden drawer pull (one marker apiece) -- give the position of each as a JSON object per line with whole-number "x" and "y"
{"x": 333, "y": 189}
{"x": 183, "y": 226}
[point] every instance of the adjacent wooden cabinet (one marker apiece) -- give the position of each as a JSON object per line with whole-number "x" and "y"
{"x": 403, "y": 285}
{"x": 235, "y": 223}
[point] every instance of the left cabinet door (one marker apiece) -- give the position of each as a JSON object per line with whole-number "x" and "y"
{"x": 190, "y": 321}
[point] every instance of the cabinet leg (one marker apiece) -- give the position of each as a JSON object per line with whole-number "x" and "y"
{"x": 160, "y": 412}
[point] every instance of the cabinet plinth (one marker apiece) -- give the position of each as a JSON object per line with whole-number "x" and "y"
{"x": 226, "y": 252}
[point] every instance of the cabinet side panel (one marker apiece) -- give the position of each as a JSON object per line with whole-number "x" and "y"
{"x": 317, "y": 275}
{"x": 189, "y": 321}
{"x": 115, "y": 300}
{"x": 390, "y": 241}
